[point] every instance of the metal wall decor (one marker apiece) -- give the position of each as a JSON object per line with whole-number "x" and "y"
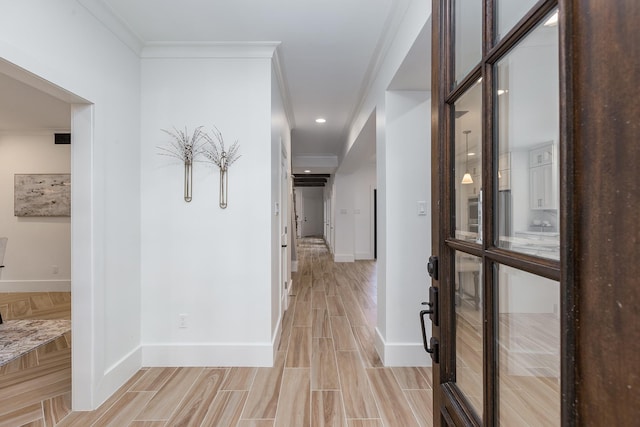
{"x": 215, "y": 153}
{"x": 187, "y": 148}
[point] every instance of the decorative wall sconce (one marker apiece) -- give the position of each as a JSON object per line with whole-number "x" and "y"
{"x": 216, "y": 153}
{"x": 186, "y": 148}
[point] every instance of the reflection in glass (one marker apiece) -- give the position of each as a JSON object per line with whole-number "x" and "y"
{"x": 528, "y": 349}
{"x": 469, "y": 335}
{"x": 510, "y": 12}
{"x": 528, "y": 128}
{"x": 468, "y": 162}
{"x": 468, "y": 36}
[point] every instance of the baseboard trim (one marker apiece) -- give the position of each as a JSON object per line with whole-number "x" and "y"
{"x": 294, "y": 266}
{"x": 208, "y": 354}
{"x": 364, "y": 256}
{"x": 343, "y": 258}
{"x": 116, "y": 375}
{"x": 35, "y": 285}
{"x": 400, "y": 353}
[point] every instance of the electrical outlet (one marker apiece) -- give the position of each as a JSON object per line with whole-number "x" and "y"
{"x": 182, "y": 320}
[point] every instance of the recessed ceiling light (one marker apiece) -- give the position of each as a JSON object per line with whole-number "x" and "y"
{"x": 307, "y": 171}
{"x": 321, "y": 120}
{"x": 471, "y": 154}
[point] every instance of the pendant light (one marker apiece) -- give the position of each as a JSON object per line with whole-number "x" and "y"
{"x": 466, "y": 179}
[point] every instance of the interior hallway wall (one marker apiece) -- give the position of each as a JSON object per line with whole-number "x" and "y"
{"x": 66, "y": 46}
{"x": 195, "y": 255}
{"x": 38, "y": 256}
{"x": 406, "y": 154}
{"x": 393, "y": 311}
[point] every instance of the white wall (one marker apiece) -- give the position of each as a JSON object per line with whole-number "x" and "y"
{"x": 36, "y": 244}
{"x": 354, "y": 214}
{"x": 407, "y": 178}
{"x": 344, "y": 230}
{"x": 364, "y": 184}
{"x": 398, "y": 339}
{"x": 65, "y": 44}
{"x": 280, "y": 153}
{"x": 214, "y": 265}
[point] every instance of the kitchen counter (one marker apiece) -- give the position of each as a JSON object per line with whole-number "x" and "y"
{"x": 18, "y": 337}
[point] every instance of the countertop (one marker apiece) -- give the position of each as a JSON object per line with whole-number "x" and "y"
{"x": 18, "y": 337}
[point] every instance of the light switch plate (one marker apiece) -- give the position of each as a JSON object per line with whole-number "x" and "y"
{"x": 422, "y": 207}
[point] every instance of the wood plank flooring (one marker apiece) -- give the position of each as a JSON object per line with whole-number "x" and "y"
{"x": 35, "y": 389}
{"x": 326, "y": 372}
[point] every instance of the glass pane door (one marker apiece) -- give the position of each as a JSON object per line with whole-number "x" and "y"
{"x": 528, "y": 134}
{"x": 498, "y": 224}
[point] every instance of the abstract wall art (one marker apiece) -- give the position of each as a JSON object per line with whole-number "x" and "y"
{"x": 42, "y": 195}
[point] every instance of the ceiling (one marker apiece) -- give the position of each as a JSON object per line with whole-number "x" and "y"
{"x": 327, "y": 50}
{"x": 328, "y": 53}
{"x": 23, "y": 107}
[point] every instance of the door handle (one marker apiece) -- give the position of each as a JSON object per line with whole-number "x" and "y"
{"x": 433, "y": 346}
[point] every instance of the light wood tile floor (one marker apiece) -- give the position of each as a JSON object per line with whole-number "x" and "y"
{"x": 326, "y": 372}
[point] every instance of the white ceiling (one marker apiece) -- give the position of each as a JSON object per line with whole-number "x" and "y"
{"x": 23, "y": 107}
{"x": 328, "y": 53}
{"x": 328, "y": 49}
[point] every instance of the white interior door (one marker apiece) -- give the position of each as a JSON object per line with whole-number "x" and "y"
{"x": 312, "y": 221}
{"x": 284, "y": 235}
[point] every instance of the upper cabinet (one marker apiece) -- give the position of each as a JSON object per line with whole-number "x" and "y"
{"x": 543, "y": 177}
{"x": 504, "y": 171}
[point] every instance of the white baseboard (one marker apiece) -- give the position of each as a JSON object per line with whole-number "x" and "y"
{"x": 205, "y": 354}
{"x": 294, "y": 266}
{"x": 116, "y": 375}
{"x": 343, "y": 258}
{"x": 363, "y": 255}
{"x": 35, "y": 285}
{"x": 401, "y": 354}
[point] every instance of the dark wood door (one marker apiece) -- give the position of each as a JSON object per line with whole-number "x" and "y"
{"x": 537, "y": 228}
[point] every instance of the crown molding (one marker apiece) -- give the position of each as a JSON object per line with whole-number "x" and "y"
{"x": 209, "y": 50}
{"x": 387, "y": 37}
{"x": 278, "y": 70}
{"x": 114, "y": 23}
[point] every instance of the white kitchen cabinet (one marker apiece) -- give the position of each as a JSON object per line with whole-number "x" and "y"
{"x": 504, "y": 171}
{"x": 543, "y": 178}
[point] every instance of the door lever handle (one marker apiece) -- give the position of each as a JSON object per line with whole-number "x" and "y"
{"x": 433, "y": 346}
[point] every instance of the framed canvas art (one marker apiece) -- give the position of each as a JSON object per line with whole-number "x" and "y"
{"x": 42, "y": 195}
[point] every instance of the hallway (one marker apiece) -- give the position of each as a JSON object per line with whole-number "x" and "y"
{"x": 327, "y": 372}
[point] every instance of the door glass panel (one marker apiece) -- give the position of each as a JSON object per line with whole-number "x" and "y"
{"x": 468, "y": 162}
{"x": 468, "y": 36}
{"x": 509, "y": 13}
{"x": 527, "y": 204}
{"x": 469, "y": 332}
{"x": 529, "y": 349}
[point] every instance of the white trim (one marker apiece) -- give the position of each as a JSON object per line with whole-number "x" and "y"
{"x": 35, "y": 285}
{"x": 294, "y": 265}
{"x": 278, "y": 70}
{"x": 208, "y": 354}
{"x": 401, "y": 354}
{"x": 379, "y": 345}
{"x": 364, "y": 255}
{"x": 209, "y": 50}
{"x": 118, "y": 374}
{"x": 343, "y": 258}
